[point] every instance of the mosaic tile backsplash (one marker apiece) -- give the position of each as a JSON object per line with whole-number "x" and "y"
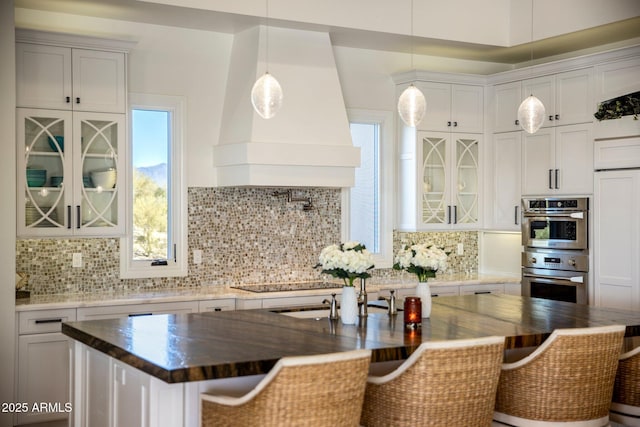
{"x": 247, "y": 235}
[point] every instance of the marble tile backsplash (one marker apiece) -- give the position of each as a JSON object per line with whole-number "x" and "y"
{"x": 247, "y": 235}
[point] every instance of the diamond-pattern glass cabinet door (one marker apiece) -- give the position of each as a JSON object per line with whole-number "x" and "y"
{"x": 466, "y": 185}
{"x": 44, "y": 177}
{"x": 434, "y": 178}
{"x": 100, "y": 177}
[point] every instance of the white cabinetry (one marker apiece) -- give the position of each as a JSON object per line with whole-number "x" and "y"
{"x": 507, "y": 98}
{"x": 119, "y": 311}
{"x": 617, "y": 239}
{"x": 43, "y": 364}
{"x": 439, "y": 181}
{"x": 62, "y": 78}
{"x": 567, "y": 97}
{"x": 452, "y": 107}
{"x": 436, "y": 291}
{"x": 558, "y": 161}
{"x": 506, "y": 181}
{"x": 497, "y": 288}
{"x": 67, "y": 150}
{"x": 224, "y": 304}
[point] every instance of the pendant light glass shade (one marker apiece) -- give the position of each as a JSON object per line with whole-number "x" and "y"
{"x": 411, "y": 106}
{"x": 531, "y": 114}
{"x": 266, "y": 96}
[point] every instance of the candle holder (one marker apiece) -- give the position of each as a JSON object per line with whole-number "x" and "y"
{"x": 412, "y": 313}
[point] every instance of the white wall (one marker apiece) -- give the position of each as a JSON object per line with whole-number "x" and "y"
{"x": 7, "y": 207}
{"x": 500, "y": 253}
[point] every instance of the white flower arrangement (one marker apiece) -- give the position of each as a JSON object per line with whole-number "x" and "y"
{"x": 346, "y": 261}
{"x": 421, "y": 259}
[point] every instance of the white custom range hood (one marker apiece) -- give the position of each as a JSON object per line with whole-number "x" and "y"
{"x": 308, "y": 142}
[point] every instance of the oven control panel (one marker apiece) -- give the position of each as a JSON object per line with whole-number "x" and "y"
{"x": 556, "y": 260}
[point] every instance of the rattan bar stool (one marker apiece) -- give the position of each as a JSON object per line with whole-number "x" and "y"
{"x": 625, "y": 407}
{"x": 567, "y": 380}
{"x": 322, "y": 390}
{"x": 446, "y": 383}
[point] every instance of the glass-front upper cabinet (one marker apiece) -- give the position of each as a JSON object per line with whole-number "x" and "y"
{"x": 69, "y": 180}
{"x": 450, "y": 171}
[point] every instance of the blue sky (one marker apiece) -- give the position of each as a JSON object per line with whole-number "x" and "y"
{"x": 149, "y": 132}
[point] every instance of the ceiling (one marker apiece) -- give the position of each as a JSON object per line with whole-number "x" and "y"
{"x": 604, "y": 37}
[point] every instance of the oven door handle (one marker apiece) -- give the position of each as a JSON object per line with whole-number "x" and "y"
{"x": 574, "y": 279}
{"x": 578, "y": 215}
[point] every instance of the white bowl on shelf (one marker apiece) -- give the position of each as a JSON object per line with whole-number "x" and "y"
{"x": 104, "y": 179}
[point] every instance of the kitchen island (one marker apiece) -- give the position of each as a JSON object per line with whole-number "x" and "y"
{"x": 150, "y": 370}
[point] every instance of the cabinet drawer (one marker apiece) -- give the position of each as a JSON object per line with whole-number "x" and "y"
{"x": 436, "y": 291}
{"x": 297, "y": 301}
{"x": 43, "y": 321}
{"x": 217, "y": 305}
{"x": 481, "y": 289}
{"x": 119, "y": 311}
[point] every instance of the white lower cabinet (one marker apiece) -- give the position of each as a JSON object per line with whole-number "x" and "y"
{"x": 497, "y": 288}
{"x": 110, "y": 393}
{"x": 43, "y": 366}
{"x": 119, "y": 311}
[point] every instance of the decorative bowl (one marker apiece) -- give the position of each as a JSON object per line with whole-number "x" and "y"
{"x": 104, "y": 179}
{"x": 36, "y": 177}
{"x": 56, "y": 181}
{"x": 52, "y": 144}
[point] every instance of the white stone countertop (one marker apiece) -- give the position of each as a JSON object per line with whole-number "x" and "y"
{"x": 209, "y": 292}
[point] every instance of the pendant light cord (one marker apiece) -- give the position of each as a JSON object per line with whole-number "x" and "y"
{"x": 411, "y": 26}
{"x": 267, "y": 37}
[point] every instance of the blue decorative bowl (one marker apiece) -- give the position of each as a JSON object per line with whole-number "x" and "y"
{"x": 56, "y": 181}
{"x": 36, "y": 177}
{"x": 52, "y": 144}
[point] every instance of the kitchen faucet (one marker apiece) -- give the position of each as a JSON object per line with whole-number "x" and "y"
{"x": 362, "y": 300}
{"x": 391, "y": 302}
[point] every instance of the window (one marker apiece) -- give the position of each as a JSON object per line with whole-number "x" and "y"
{"x": 367, "y": 206}
{"x": 156, "y": 240}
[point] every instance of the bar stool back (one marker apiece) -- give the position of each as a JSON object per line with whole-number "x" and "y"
{"x": 625, "y": 407}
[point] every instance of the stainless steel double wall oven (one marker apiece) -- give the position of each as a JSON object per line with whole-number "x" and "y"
{"x": 555, "y": 260}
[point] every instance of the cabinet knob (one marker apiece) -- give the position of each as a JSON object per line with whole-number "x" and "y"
{"x": 78, "y": 100}
{"x": 550, "y": 118}
{"x": 455, "y": 124}
{"x": 449, "y": 124}
{"x": 68, "y": 99}
{"x": 557, "y": 116}
{"x": 517, "y": 122}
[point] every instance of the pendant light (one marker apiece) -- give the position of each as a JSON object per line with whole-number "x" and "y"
{"x": 531, "y": 112}
{"x": 411, "y": 104}
{"x": 266, "y": 94}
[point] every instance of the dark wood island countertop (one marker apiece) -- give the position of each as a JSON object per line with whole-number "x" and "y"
{"x": 202, "y": 346}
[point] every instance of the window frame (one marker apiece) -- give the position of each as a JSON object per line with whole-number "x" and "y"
{"x": 177, "y": 193}
{"x": 386, "y": 121}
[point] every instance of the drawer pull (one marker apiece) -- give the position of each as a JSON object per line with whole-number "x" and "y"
{"x": 482, "y": 292}
{"x": 140, "y": 314}
{"x": 42, "y": 321}
{"x": 217, "y": 309}
{"x": 434, "y": 295}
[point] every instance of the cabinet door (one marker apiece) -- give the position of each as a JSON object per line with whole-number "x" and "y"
{"x": 506, "y": 175}
{"x": 574, "y": 97}
{"x": 543, "y": 88}
{"x": 538, "y": 162}
{"x": 467, "y": 108}
{"x": 43, "y": 375}
{"x": 435, "y": 206}
{"x": 99, "y": 81}
{"x": 43, "y": 75}
{"x": 99, "y": 175}
{"x": 507, "y": 99}
{"x": 574, "y": 159}
{"x": 438, "y": 113}
{"x": 465, "y": 180}
{"x": 130, "y": 396}
{"x": 617, "y": 239}
{"x": 44, "y": 164}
